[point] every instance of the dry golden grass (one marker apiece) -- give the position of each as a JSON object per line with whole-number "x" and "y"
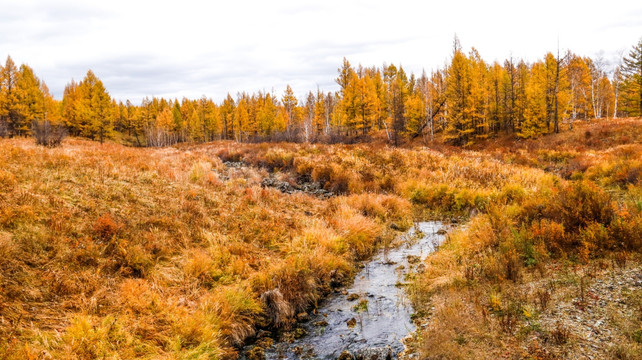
{"x": 115, "y": 252}
{"x": 518, "y": 261}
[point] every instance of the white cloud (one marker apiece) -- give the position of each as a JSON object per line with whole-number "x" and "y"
{"x": 193, "y": 48}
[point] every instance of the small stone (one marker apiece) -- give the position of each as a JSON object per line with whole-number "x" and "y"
{"x": 345, "y": 355}
{"x": 412, "y": 259}
{"x": 303, "y": 317}
{"x": 299, "y": 333}
{"x": 264, "y": 343}
{"x": 375, "y": 353}
{"x": 352, "y": 322}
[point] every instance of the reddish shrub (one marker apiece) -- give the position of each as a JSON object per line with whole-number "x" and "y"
{"x": 581, "y": 204}
{"x": 625, "y": 232}
{"x": 550, "y": 233}
{"x": 106, "y": 227}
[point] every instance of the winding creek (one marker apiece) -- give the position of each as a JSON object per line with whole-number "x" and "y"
{"x": 373, "y": 315}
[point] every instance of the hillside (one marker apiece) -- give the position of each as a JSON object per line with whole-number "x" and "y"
{"x": 108, "y": 251}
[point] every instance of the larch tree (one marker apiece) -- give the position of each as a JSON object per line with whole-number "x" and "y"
{"x": 522, "y": 78}
{"x": 415, "y": 112}
{"x": 195, "y": 125}
{"x": 211, "y": 117}
{"x": 178, "y": 121}
{"x": 460, "y": 126}
{"x": 537, "y": 107}
{"x": 381, "y": 108}
{"x": 632, "y": 84}
{"x": 266, "y": 113}
{"x": 396, "y": 82}
{"x": 227, "y": 117}
{"x": 320, "y": 121}
{"x": 71, "y": 108}
{"x": 31, "y": 100}
{"x": 9, "y": 99}
{"x": 242, "y": 118}
{"x": 479, "y": 94}
{"x": 53, "y": 108}
{"x": 365, "y": 103}
{"x": 346, "y": 73}
{"x": 558, "y": 89}
{"x": 95, "y": 108}
{"x": 496, "y": 104}
{"x": 510, "y": 86}
{"x": 24, "y": 99}
{"x": 134, "y": 121}
{"x": 165, "y": 120}
{"x": 346, "y": 80}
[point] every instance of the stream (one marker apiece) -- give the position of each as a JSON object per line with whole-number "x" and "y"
{"x": 370, "y": 318}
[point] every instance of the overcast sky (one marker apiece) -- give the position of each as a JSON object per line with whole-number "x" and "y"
{"x": 195, "y": 48}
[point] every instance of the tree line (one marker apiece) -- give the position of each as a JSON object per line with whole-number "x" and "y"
{"x": 466, "y": 100}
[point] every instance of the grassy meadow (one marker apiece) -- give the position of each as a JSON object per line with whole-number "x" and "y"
{"x": 113, "y": 252}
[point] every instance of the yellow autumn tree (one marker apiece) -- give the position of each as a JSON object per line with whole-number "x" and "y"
{"x": 9, "y": 99}
{"x": 95, "y": 107}
{"x": 538, "y": 102}
{"x": 460, "y": 126}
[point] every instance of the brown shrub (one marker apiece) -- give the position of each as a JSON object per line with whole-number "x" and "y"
{"x": 7, "y": 180}
{"x": 85, "y": 252}
{"x": 106, "y": 227}
{"x": 47, "y": 134}
{"x": 560, "y": 335}
{"x": 543, "y": 297}
{"x": 580, "y": 204}
{"x": 625, "y": 233}
{"x": 594, "y": 236}
{"x": 551, "y": 234}
{"x": 341, "y": 182}
{"x": 322, "y": 174}
{"x": 512, "y": 265}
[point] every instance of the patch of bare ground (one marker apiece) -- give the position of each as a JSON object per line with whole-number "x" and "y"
{"x": 595, "y": 314}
